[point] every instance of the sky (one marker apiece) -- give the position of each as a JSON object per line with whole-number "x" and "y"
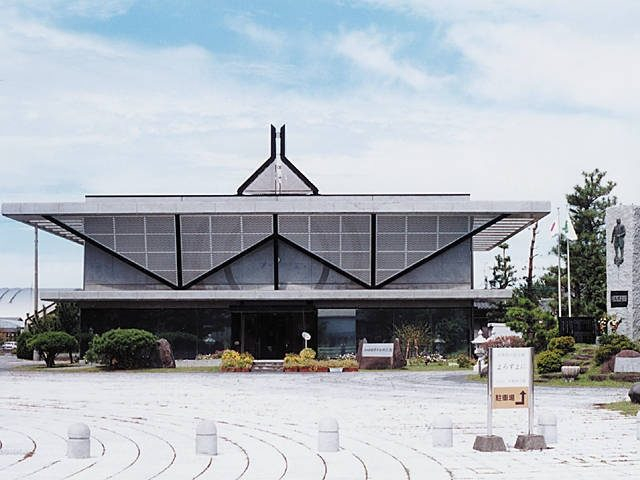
{"x": 502, "y": 99}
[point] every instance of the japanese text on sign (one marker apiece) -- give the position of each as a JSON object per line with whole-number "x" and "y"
{"x": 377, "y": 350}
{"x": 510, "y": 367}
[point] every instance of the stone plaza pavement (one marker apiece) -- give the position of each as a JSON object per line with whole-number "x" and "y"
{"x": 143, "y": 424}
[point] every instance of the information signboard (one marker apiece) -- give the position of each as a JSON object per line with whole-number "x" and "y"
{"x": 384, "y": 350}
{"x": 510, "y": 381}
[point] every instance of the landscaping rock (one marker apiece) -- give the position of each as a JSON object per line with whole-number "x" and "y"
{"x": 164, "y": 355}
{"x": 397, "y": 360}
{"x": 634, "y": 393}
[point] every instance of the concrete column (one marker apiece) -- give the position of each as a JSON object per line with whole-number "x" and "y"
{"x": 207, "y": 438}
{"x": 328, "y": 435}
{"x": 78, "y": 441}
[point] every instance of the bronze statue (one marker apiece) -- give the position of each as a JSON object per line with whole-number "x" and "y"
{"x": 617, "y": 238}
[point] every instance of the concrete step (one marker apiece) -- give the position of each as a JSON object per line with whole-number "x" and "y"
{"x": 268, "y": 366}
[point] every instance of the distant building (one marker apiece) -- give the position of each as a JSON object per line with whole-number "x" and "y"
{"x": 253, "y": 270}
{"x": 16, "y": 304}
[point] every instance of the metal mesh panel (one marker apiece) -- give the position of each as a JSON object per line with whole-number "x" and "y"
{"x": 128, "y": 225}
{"x": 293, "y": 223}
{"x": 422, "y": 223}
{"x": 147, "y": 240}
{"x": 93, "y": 225}
{"x": 403, "y": 240}
{"x": 342, "y": 240}
{"x": 210, "y": 240}
{"x": 130, "y": 243}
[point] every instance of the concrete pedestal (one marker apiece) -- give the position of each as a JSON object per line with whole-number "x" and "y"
{"x": 623, "y": 273}
{"x": 530, "y": 442}
{"x": 489, "y": 443}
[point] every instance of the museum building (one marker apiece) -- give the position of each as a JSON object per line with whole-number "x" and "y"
{"x": 253, "y": 270}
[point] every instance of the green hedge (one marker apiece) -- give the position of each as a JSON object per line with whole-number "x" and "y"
{"x": 611, "y": 345}
{"x": 549, "y": 361}
{"x": 562, "y": 344}
{"x": 49, "y": 344}
{"x": 123, "y": 348}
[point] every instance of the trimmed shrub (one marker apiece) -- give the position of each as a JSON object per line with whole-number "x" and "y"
{"x": 49, "y": 344}
{"x": 307, "y": 354}
{"x": 549, "y": 361}
{"x": 22, "y": 350}
{"x": 611, "y": 345}
{"x": 464, "y": 361}
{"x": 562, "y": 344}
{"x": 123, "y": 348}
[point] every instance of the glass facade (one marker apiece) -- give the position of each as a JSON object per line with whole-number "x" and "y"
{"x": 272, "y": 332}
{"x": 190, "y": 331}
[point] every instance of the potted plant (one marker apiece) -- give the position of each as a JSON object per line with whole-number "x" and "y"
{"x": 245, "y": 362}
{"x": 350, "y": 365}
{"x": 322, "y": 366}
{"x": 291, "y": 362}
{"x": 229, "y": 360}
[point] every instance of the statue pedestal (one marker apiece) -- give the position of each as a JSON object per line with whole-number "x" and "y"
{"x": 623, "y": 273}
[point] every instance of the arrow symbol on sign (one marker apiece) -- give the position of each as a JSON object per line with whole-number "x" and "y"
{"x": 522, "y": 395}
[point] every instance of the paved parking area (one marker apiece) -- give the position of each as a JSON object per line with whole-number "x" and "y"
{"x": 143, "y": 427}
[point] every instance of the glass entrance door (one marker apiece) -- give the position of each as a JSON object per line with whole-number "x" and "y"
{"x": 270, "y": 334}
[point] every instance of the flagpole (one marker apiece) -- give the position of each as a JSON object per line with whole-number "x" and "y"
{"x": 568, "y": 275}
{"x": 559, "y": 271}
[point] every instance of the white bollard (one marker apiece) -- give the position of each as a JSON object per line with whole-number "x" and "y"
{"x": 207, "y": 438}
{"x": 78, "y": 441}
{"x": 638, "y": 426}
{"x": 328, "y": 435}
{"x": 548, "y": 426}
{"x": 443, "y": 432}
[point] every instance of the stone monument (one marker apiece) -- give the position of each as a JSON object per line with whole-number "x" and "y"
{"x": 623, "y": 267}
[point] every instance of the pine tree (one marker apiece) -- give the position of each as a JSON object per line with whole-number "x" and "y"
{"x": 587, "y": 206}
{"x": 504, "y": 275}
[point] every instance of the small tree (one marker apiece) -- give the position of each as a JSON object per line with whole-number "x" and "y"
{"x": 504, "y": 275}
{"x": 536, "y": 325}
{"x": 49, "y": 344}
{"x": 413, "y": 335}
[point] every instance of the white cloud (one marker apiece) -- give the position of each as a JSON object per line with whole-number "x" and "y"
{"x": 80, "y": 113}
{"x": 258, "y": 34}
{"x": 376, "y": 53}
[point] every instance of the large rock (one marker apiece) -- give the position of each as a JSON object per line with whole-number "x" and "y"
{"x": 634, "y": 393}
{"x": 397, "y": 361}
{"x": 164, "y": 355}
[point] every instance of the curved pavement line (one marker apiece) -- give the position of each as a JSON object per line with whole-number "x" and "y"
{"x": 132, "y": 441}
{"x": 44, "y": 467}
{"x": 425, "y": 454}
{"x": 239, "y": 425}
{"x": 173, "y": 459}
{"x": 366, "y": 472}
{"x": 205, "y": 469}
{"x": 405, "y": 468}
{"x": 364, "y": 466}
{"x": 27, "y": 455}
{"x": 284, "y": 457}
{"x": 246, "y": 467}
{"x": 104, "y": 449}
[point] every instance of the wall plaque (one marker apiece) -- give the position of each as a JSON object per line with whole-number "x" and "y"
{"x": 619, "y": 298}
